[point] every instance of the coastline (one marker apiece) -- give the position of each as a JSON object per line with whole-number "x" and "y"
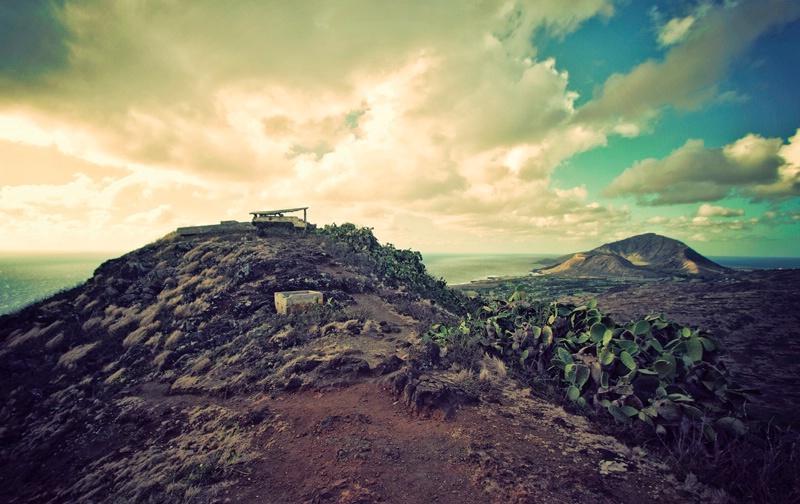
{"x": 456, "y": 269}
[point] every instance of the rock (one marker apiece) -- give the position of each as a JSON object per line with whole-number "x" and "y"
{"x": 293, "y": 384}
{"x": 388, "y": 365}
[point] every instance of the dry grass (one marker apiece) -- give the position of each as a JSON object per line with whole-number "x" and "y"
{"x": 493, "y": 370}
{"x": 92, "y": 305}
{"x": 186, "y": 385}
{"x": 194, "y": 255}
{"x": 190, "y": 269}
{"x": 160, "y": 360}
{"x": 82, "y": 300}
{"x": 115, "y": 376}
{"x": 70, "y": 359}
{"x": 208, "y": 256}
{"x": 149, "y": 314}
{"x": 120, "y": 319}
{"x": 200, "y": 365}
{"x": 768, "y": 473}
{"x": 173, "y": 339}
{"x": 55, "y": 342}
{"x": 193, "y": 309}
{"x": 33, "y": 333}
{"x": 136, "y": 337}
{"x": 229, "y": 259}
{"x": 204, "y": 456}
{"x": 155, "y": 340}
{"x": 92, "y": 324}
{"x": 188, "y": 282}
{"x": 212, "y": 285}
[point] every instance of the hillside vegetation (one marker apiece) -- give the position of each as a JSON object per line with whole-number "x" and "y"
{"x": 169, "y": 377}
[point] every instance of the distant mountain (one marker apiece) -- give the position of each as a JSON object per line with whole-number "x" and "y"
{"x": 646, "y": 255}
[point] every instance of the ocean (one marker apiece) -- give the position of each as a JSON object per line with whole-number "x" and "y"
{"x": 26, "y": 278}
{"x": 463, "y": 268}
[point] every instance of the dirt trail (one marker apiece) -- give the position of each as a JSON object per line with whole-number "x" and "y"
{"x": 362, "y": 444}
{"x": 359, "y": 444}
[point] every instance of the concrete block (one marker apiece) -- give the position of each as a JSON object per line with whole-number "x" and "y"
{"x": 295, "y": 301}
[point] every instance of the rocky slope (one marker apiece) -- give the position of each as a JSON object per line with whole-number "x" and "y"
{"x": 169, "y": 377}
{"x": 647, "y": 255}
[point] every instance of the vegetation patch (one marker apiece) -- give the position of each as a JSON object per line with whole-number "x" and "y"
{"x": 649, "y": 375}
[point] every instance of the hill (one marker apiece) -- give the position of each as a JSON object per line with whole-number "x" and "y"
{"x": 169, "y": 377}
{"x": 647, "y": 255}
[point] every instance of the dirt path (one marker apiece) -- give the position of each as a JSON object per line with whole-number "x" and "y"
{"x": 360, "y": 445}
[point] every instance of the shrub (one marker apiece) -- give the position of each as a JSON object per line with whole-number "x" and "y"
{"x": 395, "y": 268}
{"x": 649, "y": 375}
{"x": 653, "y": 371}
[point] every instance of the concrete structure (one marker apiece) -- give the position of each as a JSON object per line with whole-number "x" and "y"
{"x": 216, "y": 228}
{"x": 295, "y": 301}
{"x": 271, "y": 219}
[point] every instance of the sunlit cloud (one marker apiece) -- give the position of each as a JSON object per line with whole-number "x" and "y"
{"x": 754, "y": 166}
{"x": 675, "y": 30}
{"x": 707, "y": 210}
{"x": 435, "y": 123}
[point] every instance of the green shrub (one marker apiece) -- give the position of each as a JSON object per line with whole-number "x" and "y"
{"x": 651, "y": 370}
{"x": 394, "y": 267}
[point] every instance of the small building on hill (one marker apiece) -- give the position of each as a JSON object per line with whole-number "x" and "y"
{"x": 272, "y": 219}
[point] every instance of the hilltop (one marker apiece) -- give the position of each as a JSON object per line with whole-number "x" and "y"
{"x": 169, "y": 377}
{"x": 647, "y": 255}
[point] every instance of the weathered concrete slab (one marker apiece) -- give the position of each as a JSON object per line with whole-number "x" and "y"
{"x": 295, "y": 301}
{"x": 216, "y": 228}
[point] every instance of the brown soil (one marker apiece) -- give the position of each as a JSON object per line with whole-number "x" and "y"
{"x": 359, "y": 444}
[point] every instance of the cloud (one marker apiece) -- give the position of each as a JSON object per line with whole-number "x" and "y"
{"x": 367, "y": 111}
{"x": 787, "y": 184}
{"x": 688, "y": 75}
{"x": 707, "y": 210}
{"x": 724, "y": 229}
{"x": 675, "y": 30}
{"x": 411, "y": 117}
{"x": 235, "y": 89}
{"x": 753, "y": 166}
{"x": 32, "y": 39}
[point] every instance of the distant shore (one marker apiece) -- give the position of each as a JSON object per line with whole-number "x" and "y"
{"x": 464, "y": 269}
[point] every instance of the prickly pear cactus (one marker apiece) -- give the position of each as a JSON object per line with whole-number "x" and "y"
{"x": 652, "y": 370}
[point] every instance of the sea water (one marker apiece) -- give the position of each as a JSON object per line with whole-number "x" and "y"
{"x": 749, "y": 263}
{"x": 26, "y": 278}
{"x": 464, "y": 268}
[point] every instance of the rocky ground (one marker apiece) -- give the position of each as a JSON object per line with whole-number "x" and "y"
{"x": 169, "y": 377}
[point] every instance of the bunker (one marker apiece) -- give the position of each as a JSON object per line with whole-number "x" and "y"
{"x": 295, "y": 301}
{"x": 274, "y": 219}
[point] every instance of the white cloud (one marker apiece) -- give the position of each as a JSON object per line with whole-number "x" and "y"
{"x": 404, "y": 116}
{"x": 707, "y": 210}
{"x": 754, "y": 166}
{"x": 162, "y": 213}
{"x": 689, "y": 74}
{"x": 436, "y": 112}
{"x": 675, "y": 30}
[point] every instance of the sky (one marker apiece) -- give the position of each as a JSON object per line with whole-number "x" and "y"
{"x": 520, "y": 126}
